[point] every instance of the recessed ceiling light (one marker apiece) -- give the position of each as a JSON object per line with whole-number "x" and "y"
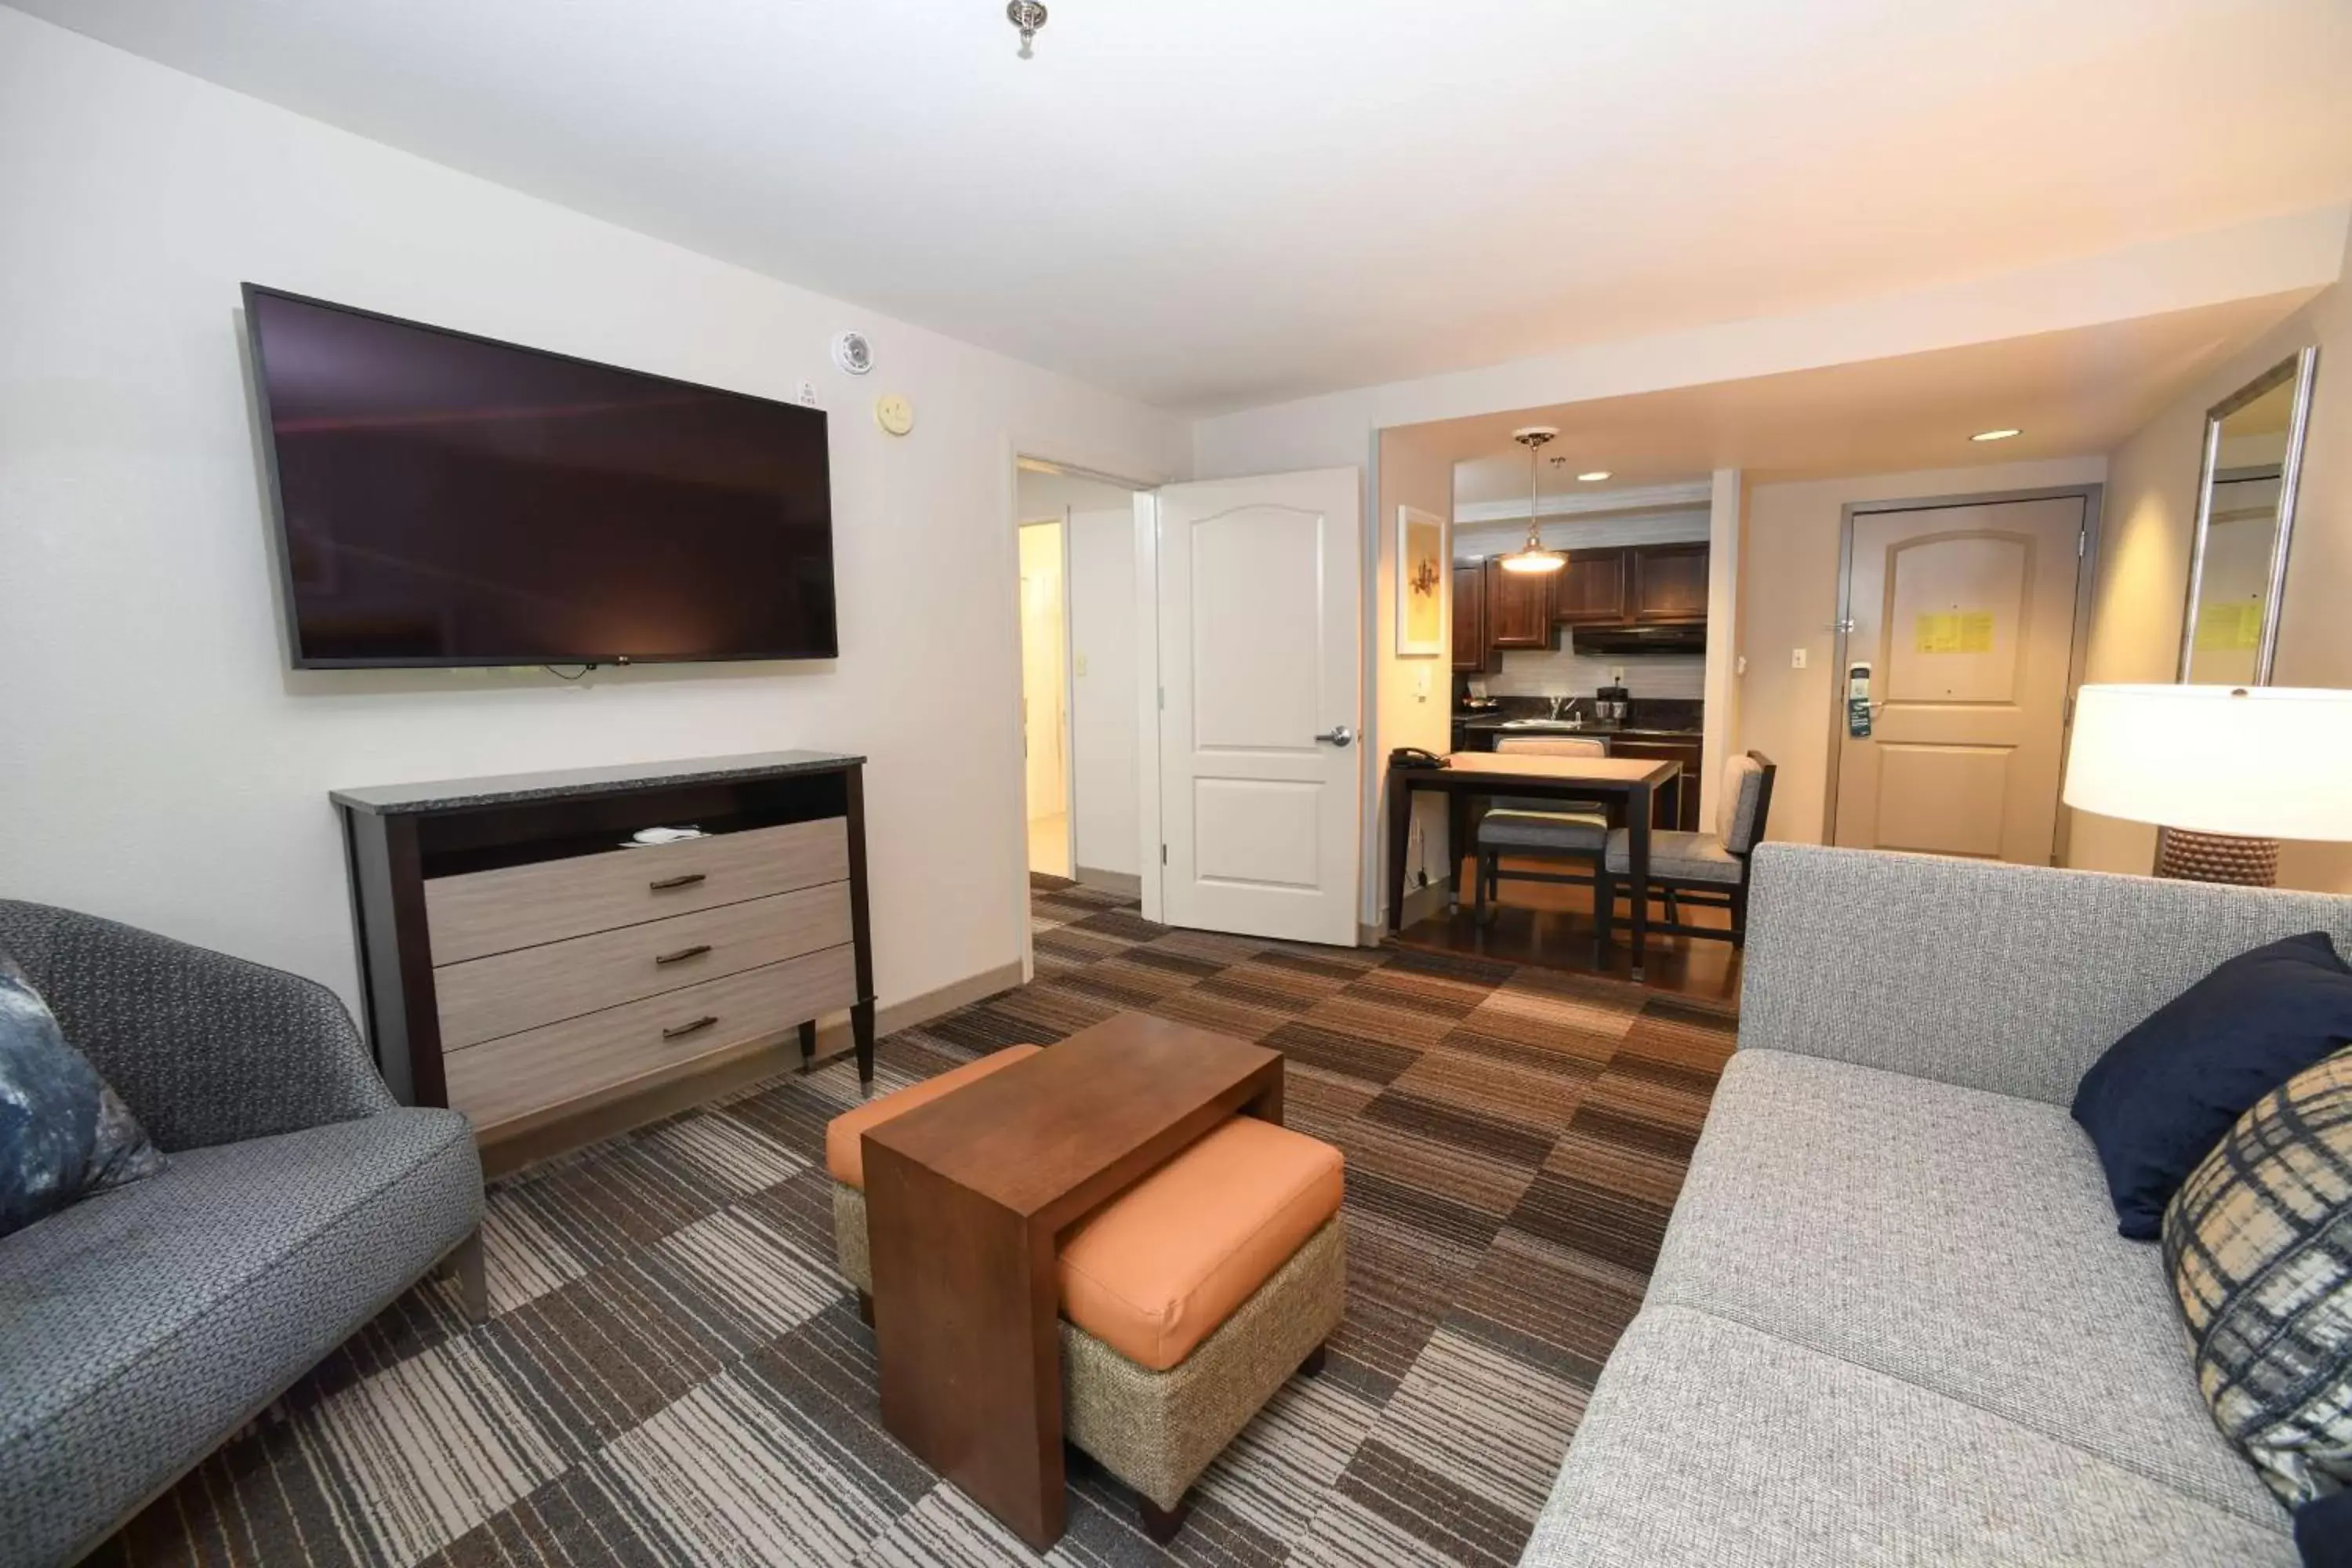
{"x": 1995, "y": 434}
{"x": 1595, "y": 475}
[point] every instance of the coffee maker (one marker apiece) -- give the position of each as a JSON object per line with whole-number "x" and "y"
{"x": 1614, "y": 705}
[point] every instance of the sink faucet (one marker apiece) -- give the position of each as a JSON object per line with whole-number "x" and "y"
{"x": 1560, "y": 705}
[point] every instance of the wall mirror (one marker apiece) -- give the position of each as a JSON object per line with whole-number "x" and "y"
{"x": 2246, "y": 521}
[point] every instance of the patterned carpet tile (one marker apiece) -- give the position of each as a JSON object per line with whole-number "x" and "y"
{"x": 1555, "y": 1306}
{"x": 673, "y": 1375}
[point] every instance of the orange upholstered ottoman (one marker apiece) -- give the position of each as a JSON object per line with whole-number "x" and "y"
{"x": 845, "y": 1159}
{"x": 1187, "y": 1300}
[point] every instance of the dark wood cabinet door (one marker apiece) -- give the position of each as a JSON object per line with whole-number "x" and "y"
{"x": 1591, "y": 589}
{"x": 1669, "y": 583}
{"x": 1519, "y": 607}
{"x": 1684, "y": 752}
{"x": 1470, "y": 649}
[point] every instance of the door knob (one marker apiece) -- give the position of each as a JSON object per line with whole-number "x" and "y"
{"x": 1338, "y": 735}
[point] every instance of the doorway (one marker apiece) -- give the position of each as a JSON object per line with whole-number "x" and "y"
{"x": 1079, "y": 672}
{"x": 1960, "y": 644}
{"x": 1044, "y": 697}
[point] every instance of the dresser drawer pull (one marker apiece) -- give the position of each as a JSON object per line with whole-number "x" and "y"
{"x": 689, "y": 879}
{"x": 679, "y": 1031}
{"x": 682, "y": 953}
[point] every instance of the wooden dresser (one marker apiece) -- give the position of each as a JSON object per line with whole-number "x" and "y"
{"x": 523, "y": 963}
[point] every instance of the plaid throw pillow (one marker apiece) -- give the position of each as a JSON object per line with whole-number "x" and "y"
{"x": 2259, "y": 1241}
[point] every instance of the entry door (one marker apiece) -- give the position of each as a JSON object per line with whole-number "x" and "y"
{"x": 1259, "y": 668}
{"x": 1966, "y": 614}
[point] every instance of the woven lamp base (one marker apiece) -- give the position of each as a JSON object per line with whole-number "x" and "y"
{"x": 2189, "y": 856}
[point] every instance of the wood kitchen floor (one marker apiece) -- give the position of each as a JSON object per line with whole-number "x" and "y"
{"x": 1551, "y": 925}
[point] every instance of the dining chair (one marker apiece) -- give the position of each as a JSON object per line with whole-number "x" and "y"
{"x": 1706, "y": 869}
{"x": 1540, "y": 829}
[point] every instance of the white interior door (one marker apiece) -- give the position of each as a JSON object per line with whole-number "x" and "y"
{"x": 1259, "y": 668}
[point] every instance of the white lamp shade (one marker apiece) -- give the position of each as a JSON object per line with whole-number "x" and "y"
{"x": 2261, "y": 761}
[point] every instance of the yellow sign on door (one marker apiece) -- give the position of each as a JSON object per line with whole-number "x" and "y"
{"x": 1953, "y": 631}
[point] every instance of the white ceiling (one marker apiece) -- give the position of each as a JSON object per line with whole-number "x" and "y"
{"x": 2070, "y": 393}
{"x": 1218, "y": 203}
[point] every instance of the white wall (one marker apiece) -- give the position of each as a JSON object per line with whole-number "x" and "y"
{"x": 1790, "y": 552}
{"x": 2144, "y": 564}
{"x": 1103, "y": 711}
{"x": 1412, "y": 695}
{"x": 160, "y": 764}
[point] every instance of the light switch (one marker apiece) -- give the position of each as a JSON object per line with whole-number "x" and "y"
{"x": 1082, "y": 666}
{"x": 1797, "y": 659}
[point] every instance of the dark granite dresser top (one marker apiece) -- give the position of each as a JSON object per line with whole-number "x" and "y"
{"x": 455, "y": 794}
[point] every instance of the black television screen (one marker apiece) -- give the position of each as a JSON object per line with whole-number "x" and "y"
{"x": 446, "y": 500}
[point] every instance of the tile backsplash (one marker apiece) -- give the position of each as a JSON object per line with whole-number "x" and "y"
{"x": 1565, "y": 673}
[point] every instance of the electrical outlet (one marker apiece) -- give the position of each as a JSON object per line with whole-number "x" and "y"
{"x": 1796, "y": 658}
{"x": 1081, "y": 663}
{"x": 1616, "y": 675}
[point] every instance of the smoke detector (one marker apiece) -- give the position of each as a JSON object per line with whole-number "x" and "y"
{"x": 852, "y": 354}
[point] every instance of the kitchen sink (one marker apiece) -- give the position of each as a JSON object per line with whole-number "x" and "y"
{"x": 1562, "y": 725}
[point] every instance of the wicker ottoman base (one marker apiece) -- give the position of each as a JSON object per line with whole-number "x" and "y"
{"x": 1157, "y": 1431}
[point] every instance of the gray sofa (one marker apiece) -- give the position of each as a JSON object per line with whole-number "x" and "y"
{"x": 1893, "y": 1322}
{"x": 140, "y": 1327}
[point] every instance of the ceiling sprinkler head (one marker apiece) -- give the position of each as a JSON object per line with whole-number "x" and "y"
{"x": 1028, "y": 15}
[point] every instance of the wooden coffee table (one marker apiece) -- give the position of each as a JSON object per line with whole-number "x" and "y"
{"x": 965, "y": 1198}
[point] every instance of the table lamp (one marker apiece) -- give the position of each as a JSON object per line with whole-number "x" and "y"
{"x": 2224, "y": 772}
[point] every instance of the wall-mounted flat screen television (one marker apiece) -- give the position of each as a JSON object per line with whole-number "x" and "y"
{"x": 446, "y": 500}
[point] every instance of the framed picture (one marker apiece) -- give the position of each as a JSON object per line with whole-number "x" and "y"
{"x": 1419, "y": 584}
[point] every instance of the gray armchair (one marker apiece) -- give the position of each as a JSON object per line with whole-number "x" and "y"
{"x": 140, "y": 1327}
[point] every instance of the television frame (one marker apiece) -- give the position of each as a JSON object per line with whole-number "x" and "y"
{"x": 280, "y": 540}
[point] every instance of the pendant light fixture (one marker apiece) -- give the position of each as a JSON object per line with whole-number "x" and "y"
{"x": 1532, "y": 556}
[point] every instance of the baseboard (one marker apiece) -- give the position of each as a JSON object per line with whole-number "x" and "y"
{"x": 1420, "y": 903}
{"x": 722, "y": 1073}
{"x": 1124, "y": 885}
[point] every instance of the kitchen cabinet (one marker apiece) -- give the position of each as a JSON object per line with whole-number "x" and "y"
{"x": 1681, "y": 750}
{"x": 1470, "y": 650}
{"x": 1666, "y": 583}
{"x": 1590, "y": 588}
{"x": 1519, "y": 607}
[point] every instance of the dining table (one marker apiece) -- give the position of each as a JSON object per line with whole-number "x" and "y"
{"x": 1631, "y": 787}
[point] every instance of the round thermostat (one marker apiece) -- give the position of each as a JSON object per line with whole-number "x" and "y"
{"x": 852, "y": 354}
{"x": 894, "y": 413}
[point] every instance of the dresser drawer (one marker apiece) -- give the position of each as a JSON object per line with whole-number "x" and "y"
{"x": 501, "y": 1079}
{"x": 507, "y": 991}
{"x": 483, "y": 912}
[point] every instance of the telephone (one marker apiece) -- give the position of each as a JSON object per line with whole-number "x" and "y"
{"x": 1414, "y": 757}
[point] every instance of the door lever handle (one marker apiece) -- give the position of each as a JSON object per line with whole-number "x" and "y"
{"x": 1337, "y": 735}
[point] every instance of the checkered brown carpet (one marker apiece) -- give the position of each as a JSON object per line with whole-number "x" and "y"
{"x": 673, "y": 1374}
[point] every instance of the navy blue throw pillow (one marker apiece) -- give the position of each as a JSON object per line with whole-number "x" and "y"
{"x": 63, "y": 1132}
{"x": 2160, "y": 1099}
{"x": 2322, "y": 1532}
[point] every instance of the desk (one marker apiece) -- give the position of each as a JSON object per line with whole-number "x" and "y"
{"x": 965, "y": 1197}
{"x": 1634, "y": 781}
